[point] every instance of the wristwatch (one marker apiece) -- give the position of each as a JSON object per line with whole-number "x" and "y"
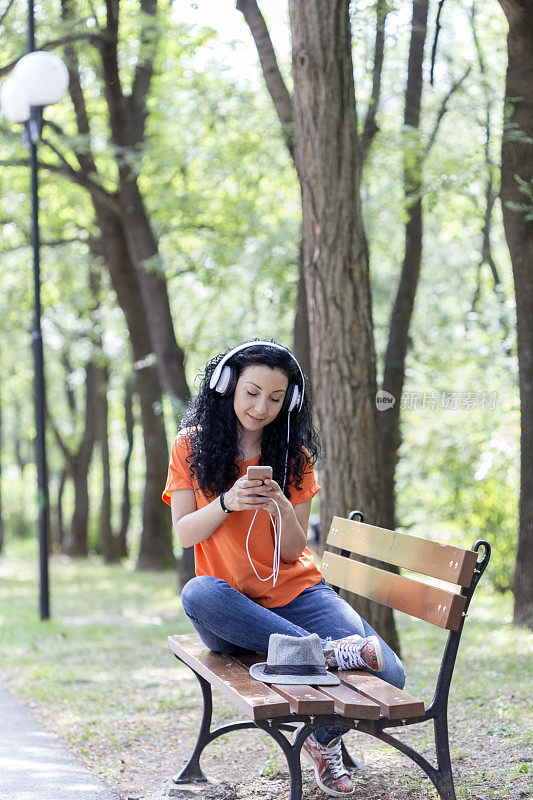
{"x": 224, "y": 509}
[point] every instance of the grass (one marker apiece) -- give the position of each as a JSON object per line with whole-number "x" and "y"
{"x": 99, "y": 673}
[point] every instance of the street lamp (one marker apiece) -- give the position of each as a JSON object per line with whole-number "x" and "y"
{"x": 39, "y": 79}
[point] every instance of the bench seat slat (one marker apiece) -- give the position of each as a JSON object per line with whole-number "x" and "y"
{"x": 350, "y": 703}
{"x": 438, "y": 606}
{"x": 305, "y": 699}
{"x": 448, "y": 563}
{"x": 394, "y": 703}
{"x": 254, "y": 698}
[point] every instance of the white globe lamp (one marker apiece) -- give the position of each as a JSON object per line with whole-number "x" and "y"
{"x": 13, "y": 103}
{"x": 42, "y": 78}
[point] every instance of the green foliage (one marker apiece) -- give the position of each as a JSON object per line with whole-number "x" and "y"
{"x": 224, "y": 203}
{"x": 491, "y": 507}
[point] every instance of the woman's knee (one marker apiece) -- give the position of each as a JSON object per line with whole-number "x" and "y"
{"x": 200, "y": 592}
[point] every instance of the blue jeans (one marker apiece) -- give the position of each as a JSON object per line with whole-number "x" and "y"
{"x": 228, "y": 622}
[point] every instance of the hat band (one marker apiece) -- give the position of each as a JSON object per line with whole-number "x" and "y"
{"x": 294, "y": 669}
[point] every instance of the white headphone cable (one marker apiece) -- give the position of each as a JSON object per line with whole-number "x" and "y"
{"x": 277, "y": 546}
{"x": 277, "y": 533}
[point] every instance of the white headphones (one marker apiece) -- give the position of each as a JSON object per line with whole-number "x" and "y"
{"x": 224, "y": 378}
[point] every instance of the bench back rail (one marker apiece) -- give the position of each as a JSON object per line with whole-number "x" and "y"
{"x": 446, "y": 562}
{"x": 439, "y": 606}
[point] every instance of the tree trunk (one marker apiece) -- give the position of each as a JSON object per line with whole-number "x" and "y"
{"x": 124, "y": 277}
{"x": 127, "y": 116}
{"x": 156, "y": 538}
{"x": 301, "y": 345}
{"x": 156, "y": 541}
{"x": 108, "y": 542}
{"x": 283, "y": 104}
{"x": 394, "y": 367}
{"x": 60, "y": 517}
{"x": 517, "y": 203}
{"x": 143, "y": 250}
{"x": 335, "y": 258}
{"x": 76, "y": 543}
{"x": 125, "y": 509}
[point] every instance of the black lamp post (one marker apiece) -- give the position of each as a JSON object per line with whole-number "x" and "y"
{"x": 39, "y": 395}
{"x": 33, "y": 131}
{"x": 39, "y": 79}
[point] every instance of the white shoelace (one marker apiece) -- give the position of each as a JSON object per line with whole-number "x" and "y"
{"x": 277, "y": 546}
{"x": 347, "y": 656}
{"x": 333, "y": 756}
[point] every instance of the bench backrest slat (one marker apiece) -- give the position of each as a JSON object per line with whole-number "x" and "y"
{"x": 448, "y": 563}
{"x": 430, "y": 603}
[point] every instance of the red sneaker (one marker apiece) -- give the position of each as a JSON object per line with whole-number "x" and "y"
{"x": 355, "y": 652}
{"x": 330, "y": 773}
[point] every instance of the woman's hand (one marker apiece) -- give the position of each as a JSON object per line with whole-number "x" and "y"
{"x": 270, "y": 491}
{"x": 262, "y": 495}
{"x": 247, "y": 495}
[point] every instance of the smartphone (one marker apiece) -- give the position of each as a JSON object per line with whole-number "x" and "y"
{"x": 259, "y": 473}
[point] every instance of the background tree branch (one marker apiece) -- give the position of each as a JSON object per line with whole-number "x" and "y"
{"x": 93, "y": 38}
{"x": 443, "y": 108}
{"x": 6, "y": 12}
{"x": 370, "y": 127}
{"x": 269, "y": 65}
{"x": 148, "y": 46}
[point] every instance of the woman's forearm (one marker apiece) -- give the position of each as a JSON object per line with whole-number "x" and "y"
{"x": 199, "y": 525}
{"x": 293, "y": 537}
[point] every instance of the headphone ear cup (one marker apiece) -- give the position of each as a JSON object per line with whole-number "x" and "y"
{"x": 227, "y": 381}
{"x": 292, "y": 398}
{"x": 295, "y": 400}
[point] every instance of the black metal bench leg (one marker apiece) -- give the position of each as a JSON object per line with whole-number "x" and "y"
{"x": 445, "y": 785}
{"x": 441, "y": 778}
{"x": 291, "y": 752}
{"x": 192, "y": 772}
{"x": 348, "y": 761}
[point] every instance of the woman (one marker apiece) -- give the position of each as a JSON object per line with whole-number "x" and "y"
{"x": 252, "y": 409}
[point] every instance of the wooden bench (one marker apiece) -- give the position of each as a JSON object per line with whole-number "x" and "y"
{"x": 363, "y": 701}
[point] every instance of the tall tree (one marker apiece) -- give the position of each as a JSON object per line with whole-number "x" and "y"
{"x": 283, "y": 105}
{"x": 128, "y": 112}
{"x": 517, "y": 202}
{"x": 127, "y": 242}
{"x": 342, "y": 320}
{"x": 335, "y": 259}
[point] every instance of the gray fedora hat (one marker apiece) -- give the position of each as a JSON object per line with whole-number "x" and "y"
{"x": 294, "y": 659}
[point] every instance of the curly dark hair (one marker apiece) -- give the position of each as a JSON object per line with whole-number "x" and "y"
{"x": 213, "y": 428}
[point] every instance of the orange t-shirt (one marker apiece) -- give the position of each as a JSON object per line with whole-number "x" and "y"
{"x": 223, "y": 554}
